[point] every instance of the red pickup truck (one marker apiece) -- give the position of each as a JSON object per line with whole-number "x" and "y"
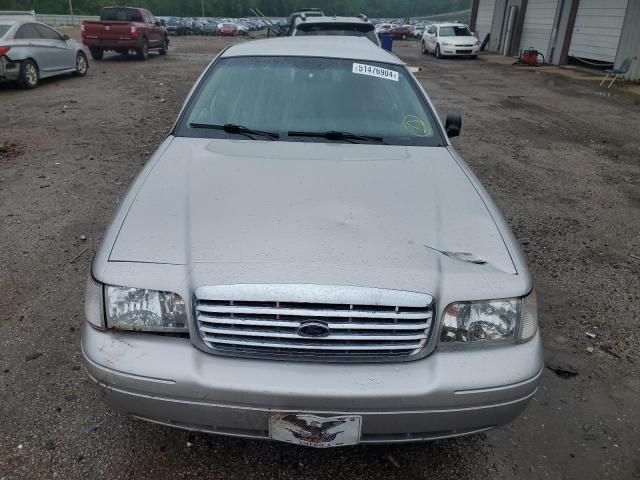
{"x": 123, "y": 29}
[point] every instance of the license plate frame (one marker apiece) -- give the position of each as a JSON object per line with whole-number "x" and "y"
{"x": 315, "y": 431}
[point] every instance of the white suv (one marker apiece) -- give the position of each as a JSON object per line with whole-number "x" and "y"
{"x": 454, "y": 39}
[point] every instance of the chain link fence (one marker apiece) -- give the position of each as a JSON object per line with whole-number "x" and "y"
{"x": 64, "y": 20}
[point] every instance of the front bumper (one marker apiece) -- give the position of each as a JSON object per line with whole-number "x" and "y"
{"x": 459, "y": 51}
{"x": 450, "y": 393}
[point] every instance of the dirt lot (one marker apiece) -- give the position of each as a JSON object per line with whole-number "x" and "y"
{"x": 560, "y": 161}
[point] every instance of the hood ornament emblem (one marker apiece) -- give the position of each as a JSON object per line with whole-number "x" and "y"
{"x": 314, "y": 330}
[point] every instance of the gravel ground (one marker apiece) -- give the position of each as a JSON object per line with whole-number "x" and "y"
{"x": 559, "y": 160}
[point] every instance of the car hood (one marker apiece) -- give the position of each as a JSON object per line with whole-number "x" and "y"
{"x": 459, "y": 40}
{"x": 356, "y": 206}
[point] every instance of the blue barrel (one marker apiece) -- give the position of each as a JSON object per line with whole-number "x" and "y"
{"x": 387, "y": 42}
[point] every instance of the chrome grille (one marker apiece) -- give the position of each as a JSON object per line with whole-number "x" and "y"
{"x": 266, "y": 321}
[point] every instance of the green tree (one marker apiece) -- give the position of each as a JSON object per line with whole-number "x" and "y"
{"x": 235, "y": 8}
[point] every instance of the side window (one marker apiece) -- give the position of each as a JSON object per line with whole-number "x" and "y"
{"x": 152, "y": 19}
{"x": 48, "y": 33}
{"x": 145, "y": 16}
{"x": 27, "y": 31}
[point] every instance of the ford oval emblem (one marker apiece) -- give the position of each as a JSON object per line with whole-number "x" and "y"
{"x": 314, "y": 330}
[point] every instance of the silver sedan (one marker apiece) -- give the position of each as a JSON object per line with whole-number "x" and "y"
{"x": 31, "y": 51}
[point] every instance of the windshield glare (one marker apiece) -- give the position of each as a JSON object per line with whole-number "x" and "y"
{"x": 285, "y": 94}
{"x": 454, "y": 32}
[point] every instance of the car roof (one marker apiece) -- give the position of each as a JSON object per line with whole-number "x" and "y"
{"x": 10, "y": 22}
{"x": 341, "y": 20}
{"x": 353, "y": 48}
{"x": 451, "y": 24}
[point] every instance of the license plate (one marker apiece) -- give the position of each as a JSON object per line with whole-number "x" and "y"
{"x": 317, "y": 432}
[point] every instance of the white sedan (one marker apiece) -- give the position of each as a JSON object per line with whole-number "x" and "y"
{"x": 452, "y": 39}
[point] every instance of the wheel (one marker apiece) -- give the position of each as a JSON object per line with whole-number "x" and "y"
{"x": 96, "y": 53}
{"x": 143, "y": 52}
{"x": 404, "y": 37}
{"x": 82, "y": 65}
{"x": 165, "y": 46}
{"x": 29, "y": 76}
{"x": 438, "y": 54}
{"x": 425, "y": 51}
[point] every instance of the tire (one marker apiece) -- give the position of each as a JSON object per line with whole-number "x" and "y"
{"x": 96, "y": 53}
{"x": 143, "y": 52}
{"x": 438, "y": 54}
{"x": 165, "y": 46}
{"x": 82, "y": 65}
{"x": 29, "y": 75}
{"x": 425, "y": 51}
{"x": 404, "y": 37}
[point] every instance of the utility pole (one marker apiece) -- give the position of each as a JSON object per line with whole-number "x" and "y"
{"x": 202, "y": 2}
{"x": 71, "y": 10}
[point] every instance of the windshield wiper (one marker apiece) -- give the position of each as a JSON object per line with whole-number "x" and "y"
{"x": 337, "y": 136}
{"x": 238, "y": 129}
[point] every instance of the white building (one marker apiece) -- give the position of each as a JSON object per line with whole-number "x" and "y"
{"x": 594, "y": 31}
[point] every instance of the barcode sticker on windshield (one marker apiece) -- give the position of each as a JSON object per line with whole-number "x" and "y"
{"x": 374, "y": 71}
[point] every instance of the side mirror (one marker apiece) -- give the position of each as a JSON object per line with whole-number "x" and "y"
{"x": 453, "y": 125}
{"x": 66, "y": 37}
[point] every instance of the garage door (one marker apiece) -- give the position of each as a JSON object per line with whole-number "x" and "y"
{"x": 596, "y": 33}
{"x": 484, "y": 18}
{"x": 538, "y": 25}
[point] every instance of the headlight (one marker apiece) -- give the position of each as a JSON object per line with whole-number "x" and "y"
{"x": 93, "y": 303}
{"x": 144, "y": 310}
{"x": 477, "y": 43}
{"x": 492, "y": 320}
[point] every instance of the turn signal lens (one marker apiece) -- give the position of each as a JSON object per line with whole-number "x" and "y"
{"x": 93, "y": 302}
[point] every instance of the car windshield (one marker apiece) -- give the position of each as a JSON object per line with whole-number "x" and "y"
{"x": 454, "y": 32}
{"x": 282, "y": 95}
{"x": 339, "y": 30}
{"x": 4, "y": 29}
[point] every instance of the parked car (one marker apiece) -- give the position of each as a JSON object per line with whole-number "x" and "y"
{"x": 306, "y": 13}
{"x": 228, "y": 29}
{"x": 243, "y": 28}
{"x": 31, "y": 51}
{"x": 383, "y": 28}
{"x": 195, "y": 26}
{"x": 176, "y": 26}
{"x": 418, "y": 31}
{"x": 122, "y": 29}
{"x": 336, "y": 26}
{"x": 400, "y": 32}
{"x": 450, "y": 39}
{"x": 361, "y": 288}
{"x": 210, "y": 29}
